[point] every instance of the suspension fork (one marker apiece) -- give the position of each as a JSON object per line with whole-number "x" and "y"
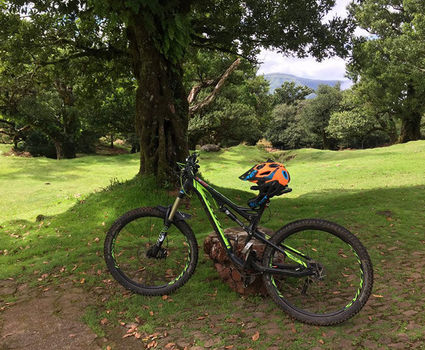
{"x": 169, "y": 216}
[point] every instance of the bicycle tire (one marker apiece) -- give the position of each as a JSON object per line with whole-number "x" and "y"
{"x": 127, "y": 242}
{"x": 341, "y": 288}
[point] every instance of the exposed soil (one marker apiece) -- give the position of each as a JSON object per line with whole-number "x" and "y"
{"x": 12, "y": 152}
{"x": 51, "y": 318}
{"x": 45, "y": 319}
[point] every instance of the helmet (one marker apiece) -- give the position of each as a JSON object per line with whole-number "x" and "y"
{"x": 271, "y": 178}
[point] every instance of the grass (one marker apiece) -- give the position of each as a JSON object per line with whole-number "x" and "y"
{"x": 376, "y": 193}
{"x": 34, "y": 186}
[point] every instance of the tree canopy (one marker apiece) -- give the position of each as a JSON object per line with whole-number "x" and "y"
{"x": 389, "y": 65}
{"x": 153, "y": 37}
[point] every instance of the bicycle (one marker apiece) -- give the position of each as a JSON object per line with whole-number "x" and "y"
{"x": 315, "y": 270}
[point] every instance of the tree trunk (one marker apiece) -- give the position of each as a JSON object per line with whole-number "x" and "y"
{"x": 161, "y": 105}
{"x": 410, "y": 128}
{"x": 58, "y": 148}
{"x": 71, "y": 124}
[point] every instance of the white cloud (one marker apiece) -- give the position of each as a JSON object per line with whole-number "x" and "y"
{"x": 328, "y": 69}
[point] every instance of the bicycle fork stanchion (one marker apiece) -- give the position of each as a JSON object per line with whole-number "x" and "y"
{"x": 156, "y": 251}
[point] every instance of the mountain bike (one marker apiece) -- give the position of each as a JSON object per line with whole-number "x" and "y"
{"x": 315, "y": 270}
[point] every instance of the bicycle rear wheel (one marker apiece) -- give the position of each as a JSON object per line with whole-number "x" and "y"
{"x": 343, "y": 280}
{"x": 126, "y": 252}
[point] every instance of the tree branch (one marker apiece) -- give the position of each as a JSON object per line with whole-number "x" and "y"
{"x": 12, "y": 124}
{"x": 88, "y": 52}
{"x": 195, "y": 90}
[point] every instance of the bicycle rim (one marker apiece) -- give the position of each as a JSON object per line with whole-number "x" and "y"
{"x": 337, "y": 284}
{"x": 129, "y": 252}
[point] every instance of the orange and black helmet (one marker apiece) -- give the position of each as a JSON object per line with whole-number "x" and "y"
{"x": 271, "y": 177}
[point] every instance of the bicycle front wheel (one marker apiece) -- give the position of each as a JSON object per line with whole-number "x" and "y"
{"x": 343, "y": 277}
{"x": 127, "y": 255}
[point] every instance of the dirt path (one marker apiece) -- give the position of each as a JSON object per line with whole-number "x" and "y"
{"x": 51, "y": 318}
{"x": 45, "y": 319}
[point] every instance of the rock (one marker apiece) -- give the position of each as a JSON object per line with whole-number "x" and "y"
{"x": 40, "y": 217}
{"x": 210, "y": 148}
{"x": 226, "y": 269}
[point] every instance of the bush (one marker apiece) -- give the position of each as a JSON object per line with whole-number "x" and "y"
{"x": 38, "y": 145}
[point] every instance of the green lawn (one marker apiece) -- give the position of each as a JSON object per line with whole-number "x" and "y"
{"x": 33, "y": 186}
{"x": 378, "y": 194}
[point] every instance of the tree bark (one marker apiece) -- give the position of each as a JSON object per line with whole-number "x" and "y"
{"x": 70, "y": 120}
{"x": 58, "y": 148}
{"x": 410, "y": 128}
{"x": 161, "y": 105}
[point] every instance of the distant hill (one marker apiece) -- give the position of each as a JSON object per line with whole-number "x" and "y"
{"x": 277, "y": 79}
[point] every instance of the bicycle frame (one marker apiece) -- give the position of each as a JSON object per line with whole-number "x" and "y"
{"x": 253, "y": 216}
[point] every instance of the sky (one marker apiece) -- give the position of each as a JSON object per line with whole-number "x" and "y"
{"x": 328, "y": 69}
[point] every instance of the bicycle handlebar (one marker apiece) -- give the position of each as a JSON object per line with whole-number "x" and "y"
{"x": 191, "y": 166}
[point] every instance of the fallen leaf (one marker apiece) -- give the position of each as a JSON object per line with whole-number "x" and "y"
{"x": 151, "y": 313}
{"x": 321, "y": 341}
{"x": 378, "y": 295}
{"x": 108, "y": 347}
{"x": 170, "y": 345}
{"x": 164, "y": 297}
{"x": 83, "y": 280}
{"x": 104, "y": 321}
{"x": 256, "y": 336}
{"x": 152, "y": 344}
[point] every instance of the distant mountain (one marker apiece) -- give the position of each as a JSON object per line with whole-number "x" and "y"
{"x": 277, "y": 79}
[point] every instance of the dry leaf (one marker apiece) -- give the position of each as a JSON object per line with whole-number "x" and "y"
{"x": 108, "y": 347}
{"x": 83, "y": 280}
{"x": 378, "y": 295}
{"x": 256, "y": 336}
{"x": 152, "y": 344}
{"x": 104, "y": 321}
{"x": 170, "y": 345}
{"x": 164, "y": 297}
{"x": 151, "y": 313}
{"x": 321, "y": 341}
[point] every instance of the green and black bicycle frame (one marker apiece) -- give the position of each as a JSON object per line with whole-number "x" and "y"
{"x": 302, "y": 266}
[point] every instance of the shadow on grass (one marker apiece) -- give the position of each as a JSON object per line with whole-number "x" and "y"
{"x": 77, "y": 234}
{"x": 45, "y": 169}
